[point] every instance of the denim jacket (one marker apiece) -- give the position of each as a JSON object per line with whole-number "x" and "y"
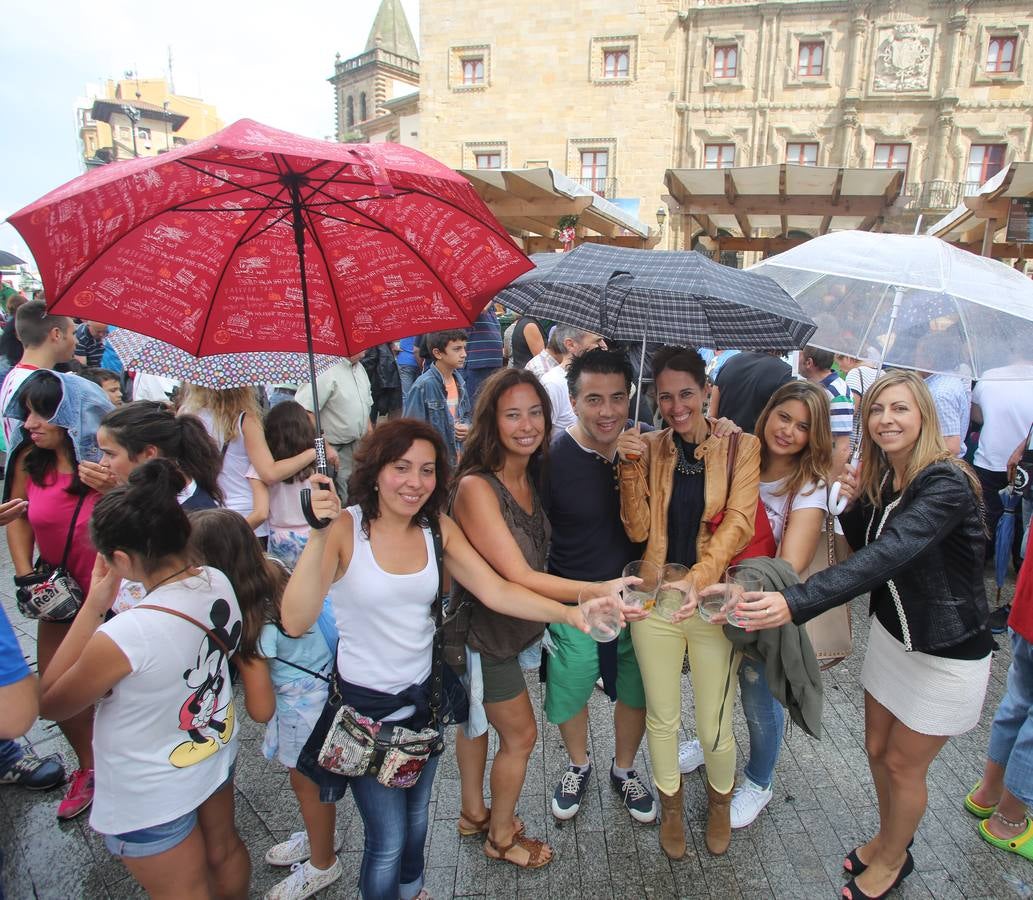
{"x": 83, "y": 404}
{"x": 427, "y": 401}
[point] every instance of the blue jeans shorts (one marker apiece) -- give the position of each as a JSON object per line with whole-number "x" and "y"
{"x": 159, "y": 838}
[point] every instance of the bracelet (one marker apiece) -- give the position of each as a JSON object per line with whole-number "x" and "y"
{"x": 1009, "y": 822}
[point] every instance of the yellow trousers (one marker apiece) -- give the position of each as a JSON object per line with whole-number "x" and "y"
{"x": 660, "y": 647}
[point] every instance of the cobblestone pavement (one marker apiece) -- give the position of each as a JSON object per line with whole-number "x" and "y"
{"x": 824, "y": 805}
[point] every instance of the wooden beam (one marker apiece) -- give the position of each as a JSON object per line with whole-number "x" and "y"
{"x": 782, "y": 182}
{"x": 769, "y": 205}
{"x": 837, "y": 188}
{"x": 763, "y": 244}
{"x": 1002, "y": 250}
{"x": 988, "y": 237}
{"x": 826, "y": 222}
{"x": 730, "y": 192}
{"x": 868, "y": 224}
{"x": 744, "y": 224}
{"x": 783, "y": 222}
{"x": 705, "y": 223}
{"x": 989, "y": 209}
{"x": 553, "y": 206}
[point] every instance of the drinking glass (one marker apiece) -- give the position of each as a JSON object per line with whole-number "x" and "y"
{"x": 738, "y": 580}
{"x": 647, "y": 577}
{"x": 601, "y": 609}
{"x": 669, "y": 599}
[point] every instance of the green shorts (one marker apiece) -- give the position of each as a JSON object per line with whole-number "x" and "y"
{"x": 503, "y": 679}
{"x": 573, "y": 668}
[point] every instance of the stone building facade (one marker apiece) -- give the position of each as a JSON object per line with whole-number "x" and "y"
{"x": 616, "y": 93}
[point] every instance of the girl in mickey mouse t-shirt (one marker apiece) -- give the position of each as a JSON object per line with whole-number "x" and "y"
{"x": 165, "y": 733}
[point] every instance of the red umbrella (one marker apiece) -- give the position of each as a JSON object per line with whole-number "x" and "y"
{"x": 200, "y": 247}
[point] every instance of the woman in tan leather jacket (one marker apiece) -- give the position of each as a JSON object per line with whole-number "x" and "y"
{"x": 677, "y": 495}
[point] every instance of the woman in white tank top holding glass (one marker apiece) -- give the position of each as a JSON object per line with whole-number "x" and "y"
{"x": 377, "y": 562}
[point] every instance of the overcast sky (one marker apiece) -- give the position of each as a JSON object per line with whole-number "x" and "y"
{"x": 262, "y": 59}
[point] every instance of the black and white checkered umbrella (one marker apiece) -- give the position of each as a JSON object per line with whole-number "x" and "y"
{"x": 678, "y": 297}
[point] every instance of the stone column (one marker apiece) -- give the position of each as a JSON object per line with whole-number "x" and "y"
{"x": 853, "y": 76}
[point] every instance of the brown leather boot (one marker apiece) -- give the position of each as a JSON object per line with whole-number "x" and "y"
{"x": 719, "y": 821}
{"x": 672, "y": 824}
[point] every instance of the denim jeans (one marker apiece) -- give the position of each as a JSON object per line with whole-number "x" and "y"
{"x": 395, "y": 823}
{"x": 1011, "y": 735}
{"x": 10, "y": 753}
{"x": 765, "y": 719}
{"x": 408, "y": 375}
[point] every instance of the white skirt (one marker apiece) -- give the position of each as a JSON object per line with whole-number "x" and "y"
{"x": 930, "y": 694}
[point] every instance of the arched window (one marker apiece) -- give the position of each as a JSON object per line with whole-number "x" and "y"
{"x": 362, "y": 107}
{"x": 349, "y": 114}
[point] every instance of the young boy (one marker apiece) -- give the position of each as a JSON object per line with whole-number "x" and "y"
{"x": 107, "y": 379}
{"x": 439, "y": 396}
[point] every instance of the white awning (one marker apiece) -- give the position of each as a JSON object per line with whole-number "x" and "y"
{"x": 770, "y": 201}
{"x": 965, "y": 223}
{"x": 534, "y": 200}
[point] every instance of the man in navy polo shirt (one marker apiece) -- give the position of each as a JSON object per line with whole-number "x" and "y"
{"x": 582, "y": 501}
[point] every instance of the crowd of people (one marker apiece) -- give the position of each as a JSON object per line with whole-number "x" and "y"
{"x": 484, "y": 486}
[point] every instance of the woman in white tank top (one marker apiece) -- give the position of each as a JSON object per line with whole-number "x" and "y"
{"x": 377, "y": 563}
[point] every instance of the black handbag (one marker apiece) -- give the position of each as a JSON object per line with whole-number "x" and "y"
{"x": 50, "y": 593}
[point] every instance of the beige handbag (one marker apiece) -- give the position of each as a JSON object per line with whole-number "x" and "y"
{"x": 830, "y": 633}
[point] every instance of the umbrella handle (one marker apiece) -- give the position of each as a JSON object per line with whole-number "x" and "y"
{"x": 306, "y": 493}
{"x": 836, "y": 503}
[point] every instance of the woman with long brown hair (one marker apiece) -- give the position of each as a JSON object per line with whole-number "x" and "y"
{"x": 497, "y": 504}
{"x": 917, "y": 529}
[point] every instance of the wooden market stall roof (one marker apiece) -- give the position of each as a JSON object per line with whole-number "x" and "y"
{"x": 766, "y": 207}
{"x": 530, "y": 202}
{"x": 975, "y": 222}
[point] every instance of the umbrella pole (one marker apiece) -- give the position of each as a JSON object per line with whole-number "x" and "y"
{"x": 298, "y": 222}
{"x": 837, "y": 504}
{"x": 641, "y": 367}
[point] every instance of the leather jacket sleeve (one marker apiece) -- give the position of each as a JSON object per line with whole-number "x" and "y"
{"x": 929, "y": 510}
{"x": 740, "y": 513}
{"x": 634, "y": 487}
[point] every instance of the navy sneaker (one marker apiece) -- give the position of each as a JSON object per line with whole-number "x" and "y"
{"x": 29, "y": 771}
{"x": 999, "y": 619}
{"x": 637, "y": 799}
{"x": 566, "y": 800}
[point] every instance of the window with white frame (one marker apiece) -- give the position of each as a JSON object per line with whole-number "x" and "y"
{"x": 984, "y": 161}
{"x": 595, "y": 169}
{"x": 491, "y": 159}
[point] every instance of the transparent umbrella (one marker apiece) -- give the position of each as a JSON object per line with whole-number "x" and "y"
{"x": 911, "y": 301}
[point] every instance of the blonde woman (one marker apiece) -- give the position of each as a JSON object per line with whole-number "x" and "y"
{"x": 917, "y": 529}
{"x": 676, "y": 494}
{"x": 234, "y": 420}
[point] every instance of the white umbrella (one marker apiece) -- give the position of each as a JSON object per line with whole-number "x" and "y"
{"x": 910, "y": 301}
{"x": 854, "y": 283}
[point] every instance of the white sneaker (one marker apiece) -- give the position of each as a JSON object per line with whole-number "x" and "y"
{"x": 294, "y": 850}
{"x": 304, "y": 881}
{"x": 690, "y": 756}
{"x": 747, "y": 802}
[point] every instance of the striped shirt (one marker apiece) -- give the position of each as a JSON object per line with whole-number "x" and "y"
{"x": 484, "y": 344}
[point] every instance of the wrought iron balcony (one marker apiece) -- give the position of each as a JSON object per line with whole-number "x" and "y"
{"x": 604, "y": 187}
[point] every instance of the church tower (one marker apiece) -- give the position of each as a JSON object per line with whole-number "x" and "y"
{"x": 389, "y": 67}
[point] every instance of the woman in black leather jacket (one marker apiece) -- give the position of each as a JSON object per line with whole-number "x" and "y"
{"x": 917, "y": 529}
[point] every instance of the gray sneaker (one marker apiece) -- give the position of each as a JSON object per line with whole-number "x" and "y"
{"x": 566, "y": 800}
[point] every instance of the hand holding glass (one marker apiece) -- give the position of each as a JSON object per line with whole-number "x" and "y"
{"x": 676, "y": 598}
{"x": 738, "y": 580}
{"x": 601, "y": 610}
{"x": 641, "y": 582}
